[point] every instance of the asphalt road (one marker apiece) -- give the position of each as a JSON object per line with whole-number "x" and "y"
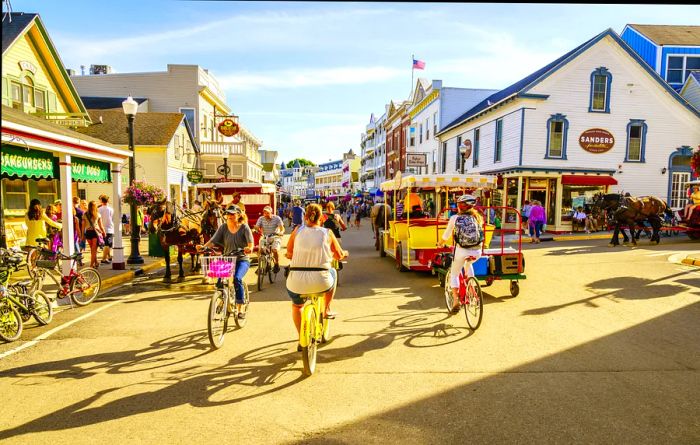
{"x": 601, "y": 346}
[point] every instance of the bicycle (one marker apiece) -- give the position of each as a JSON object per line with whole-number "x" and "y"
{"x": 266, "y": 261}
{"x": 18, "y": 303}
{"x": 315, "y": 329}
{"x": 222, "y": 304}
{"x": 470, "y": 297}
{"x": 82, "y": 286}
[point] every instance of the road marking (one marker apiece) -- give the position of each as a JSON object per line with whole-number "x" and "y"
{"x": 57, "y": 329}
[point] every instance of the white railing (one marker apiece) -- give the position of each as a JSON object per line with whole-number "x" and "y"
{"x": 222, "y": 148}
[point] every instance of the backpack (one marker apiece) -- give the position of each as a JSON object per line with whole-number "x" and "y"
{"x": 467, "y": 232}
{"x": 331, "y": 223}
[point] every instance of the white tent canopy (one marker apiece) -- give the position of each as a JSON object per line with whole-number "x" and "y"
{"x": 441, "y": 180}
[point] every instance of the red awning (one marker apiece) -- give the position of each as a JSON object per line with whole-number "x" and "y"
{"x": 588, "y": 180}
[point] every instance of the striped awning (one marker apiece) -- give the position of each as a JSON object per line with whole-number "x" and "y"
{"x": 441, "y": 180}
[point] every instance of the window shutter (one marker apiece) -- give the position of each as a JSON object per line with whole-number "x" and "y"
{"x": 6, "y": 99}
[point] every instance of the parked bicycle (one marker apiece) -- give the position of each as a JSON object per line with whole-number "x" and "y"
{"x": 82, "y": 286}
{"x": 314, "y": 330}
{"x": 18, "y": 302}
{"x": 222, "y": 304}
{"x": 267, "y": 265}
{"x": 470, "y": 297}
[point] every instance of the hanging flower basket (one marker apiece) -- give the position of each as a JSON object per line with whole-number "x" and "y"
{"x": 695, "y": 162}
{"x": 140, "y": 193}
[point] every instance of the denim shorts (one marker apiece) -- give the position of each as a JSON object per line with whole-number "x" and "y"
{"x": 296, "y": 298}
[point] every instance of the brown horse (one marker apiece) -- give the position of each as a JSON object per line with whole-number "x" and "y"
{"x": 185, "y": 233}
{"x": 629, "y": 211}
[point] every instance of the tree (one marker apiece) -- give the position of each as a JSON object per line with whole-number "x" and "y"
{"x": 302, "y": 162}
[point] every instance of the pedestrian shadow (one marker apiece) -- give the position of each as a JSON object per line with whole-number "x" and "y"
{"x": 625, "y": 288}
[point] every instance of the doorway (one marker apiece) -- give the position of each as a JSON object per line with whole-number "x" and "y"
{"x": 539, "y": 195}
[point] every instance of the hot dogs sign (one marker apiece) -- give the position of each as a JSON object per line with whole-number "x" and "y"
{"x": 596, "y": 140}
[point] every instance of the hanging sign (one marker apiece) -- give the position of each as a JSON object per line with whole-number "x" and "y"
{"x": 228, "y": 127}
{"x": 195, "y": 176}
{"x": 416, "y": 159}
{"x": 85, "y": 170}
{"x": 19, "y": 162}
{"x": 596, "y": 140}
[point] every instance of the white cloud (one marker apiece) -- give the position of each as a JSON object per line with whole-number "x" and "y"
{"x": 308, "y": 77}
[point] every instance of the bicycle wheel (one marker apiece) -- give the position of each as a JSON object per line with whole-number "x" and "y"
{"x": 32, "y": 256}
{"x": 217, "y": 323}
{"x": 262, "y": 270}
{"x": 241, "y": 322}
{"x": 474, "y": 310}
{"x": 42, "y": 310}
{"x": 10, "y": 323}
{"x": 85, "y": 286}
{"x": 449, "y": 299}
{"x": 308, "y": 352}
{"x": 326, "y": 334}
{"x": 272, "y": 275}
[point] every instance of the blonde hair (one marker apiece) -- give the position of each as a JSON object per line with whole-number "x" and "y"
{"x": 313, "y": 213}
{"x": 330, "y": 207}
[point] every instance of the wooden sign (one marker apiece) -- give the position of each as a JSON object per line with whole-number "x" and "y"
{"x": 228, "y": 127}
{"x": 416, "y": 159}
{"x": 596, "y": 140}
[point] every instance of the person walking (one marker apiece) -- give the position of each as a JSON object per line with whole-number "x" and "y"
{"x": 525, "y": 213}
{"x": 297, "y": 214}
{"x": 107, "y": 216}
{"x": 537, "y": 219}
{"x": 93, "y": 229}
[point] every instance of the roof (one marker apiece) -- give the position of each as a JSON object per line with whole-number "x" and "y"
{"x": 13, "y": 26}
{"x": 105, "y": 103}
{"x": 523, "y": 85}
{"x": 670, "y": 34}
{"x": 149, "y": 128}
{"x": 22, "y": 118}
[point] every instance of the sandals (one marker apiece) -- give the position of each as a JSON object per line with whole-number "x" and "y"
{"x": 241, "y": 315}
{"x": 330, "y": 315}
{"x": 456, "y": 309}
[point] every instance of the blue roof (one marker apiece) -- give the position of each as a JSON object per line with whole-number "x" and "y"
{"x": 106, "y": 103}
{"x": 297, "y": 164}
{"x": 13, "y": 25}
{"x": 528, "y": 82}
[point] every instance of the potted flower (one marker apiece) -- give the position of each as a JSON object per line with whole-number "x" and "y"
{"x": 140, "y": 193}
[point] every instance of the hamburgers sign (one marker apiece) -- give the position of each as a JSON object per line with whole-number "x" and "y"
{"x": 596, "y": 140}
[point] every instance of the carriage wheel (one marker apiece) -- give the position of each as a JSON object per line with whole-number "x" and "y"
{"x": 514, "y": 288}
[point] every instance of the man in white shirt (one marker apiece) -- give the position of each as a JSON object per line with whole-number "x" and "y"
{"x": 107, "y": 214}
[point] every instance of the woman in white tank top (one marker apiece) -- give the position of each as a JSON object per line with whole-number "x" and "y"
{"x": 311, "y": 249}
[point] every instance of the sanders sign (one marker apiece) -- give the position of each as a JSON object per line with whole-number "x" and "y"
{"x": 596, "y": 140}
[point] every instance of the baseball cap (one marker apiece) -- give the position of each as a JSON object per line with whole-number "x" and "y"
{"x": 268, "y": 208}
{"x": 468, "y": 199}
{"x": 233, "y": 209}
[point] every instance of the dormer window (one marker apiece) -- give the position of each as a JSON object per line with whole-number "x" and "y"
{"x": 601, "y": 79}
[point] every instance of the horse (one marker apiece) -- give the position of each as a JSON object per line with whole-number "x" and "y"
{"x": 629, "y": 211}
{"x": 185, "y": 233}
{"x": 212, "y": 218}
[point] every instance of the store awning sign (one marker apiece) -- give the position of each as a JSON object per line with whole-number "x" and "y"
{"x": 596, "y": 140}
{"x": 85, "y": 170}
{"x": 20, "y": 162}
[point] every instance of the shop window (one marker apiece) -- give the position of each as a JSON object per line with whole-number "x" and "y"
{"x": 499, "y": 141}
{"x": 636, "y": 140}
{"x": 16, "y": 194}
{"x": 46, "y": 191}
{"x": 601, "y": 80}
{"x": 557, "y": 129}
{"x": 475, "y": 159}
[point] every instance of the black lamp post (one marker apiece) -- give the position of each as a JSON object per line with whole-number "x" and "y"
{"x": 130, "y": 107}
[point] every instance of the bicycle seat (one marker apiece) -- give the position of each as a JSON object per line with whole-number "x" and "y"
{"x": 42, "y": 240}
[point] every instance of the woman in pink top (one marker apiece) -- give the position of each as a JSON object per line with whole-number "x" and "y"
{"x": 536, "y": 220}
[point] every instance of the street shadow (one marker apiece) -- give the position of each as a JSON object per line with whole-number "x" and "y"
{"x": 638, "y": 385}
{"x": 626, "y": 288}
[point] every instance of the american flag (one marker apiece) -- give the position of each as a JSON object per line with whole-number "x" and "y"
{"x": 418, "y": 64}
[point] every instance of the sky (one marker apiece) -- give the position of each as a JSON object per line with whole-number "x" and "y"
{"x": 305, "y": 77}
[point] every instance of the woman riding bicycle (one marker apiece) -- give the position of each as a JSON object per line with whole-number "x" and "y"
{"x": 465, "y": 221}
{"x": 311, "y": 249}
{"x": 237, "y": 240}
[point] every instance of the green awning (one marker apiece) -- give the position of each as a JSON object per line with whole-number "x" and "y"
{"x": 85, "y": 170}
{"x": 23, "y": 163}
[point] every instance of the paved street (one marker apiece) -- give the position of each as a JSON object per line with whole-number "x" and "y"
{"x": 601, "y": 346}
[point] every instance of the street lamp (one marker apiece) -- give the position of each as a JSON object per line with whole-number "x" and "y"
{"x": 130, "y": 107}
{"x": 465, "y": 150}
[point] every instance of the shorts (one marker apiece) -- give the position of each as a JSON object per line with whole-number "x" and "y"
{"x": 275, "y": 244}
{"x": 297, "y": 298}
{"x": 90, "y": 234}
{"x": 109, "y": 239}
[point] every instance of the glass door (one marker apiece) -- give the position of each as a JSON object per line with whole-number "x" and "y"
{"x": 679, "y": 195}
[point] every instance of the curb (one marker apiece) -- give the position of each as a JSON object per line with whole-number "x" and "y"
{"x": 581, "y": 238}
{"x": 691, "y": 261}
{"x": 129, "y": 275}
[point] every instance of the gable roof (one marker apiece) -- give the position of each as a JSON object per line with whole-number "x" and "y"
{"x": 520, "y": 88}
{"x": 149, "y": 128}
{"x": 106, "y": 103}
{"x": 13, "y": 26}
{"x": 669, "y": 34}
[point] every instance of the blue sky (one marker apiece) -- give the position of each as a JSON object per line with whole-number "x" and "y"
{"x": 304, "y": 77}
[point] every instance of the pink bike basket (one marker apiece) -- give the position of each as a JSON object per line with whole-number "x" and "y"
{"x": 218, "y": 267}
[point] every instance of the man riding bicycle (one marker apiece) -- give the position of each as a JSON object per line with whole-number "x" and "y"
{"x": 237, "y": 240}
{"x": 270, "y": 224}
{"x": 466, "y": 229}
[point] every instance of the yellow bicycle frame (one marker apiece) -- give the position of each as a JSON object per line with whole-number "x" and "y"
{"x": 307, "y": 319}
